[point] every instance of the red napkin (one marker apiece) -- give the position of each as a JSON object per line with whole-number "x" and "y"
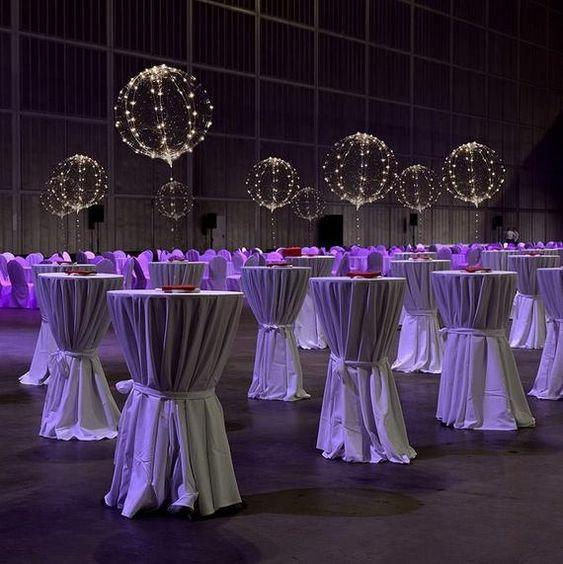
{"x": 176, "y": 259}
{"x": 533, "y": 254}
{"x": 63, "y": 262}
{"x": 277, "y": 263}
{"x": 183, "y": 287}
{"x": 291, "y": 252}
{"x": 476, "y": 268}
{"x": 79, "y": 272}
{"x": 421, "y": 257}
{"x": 364, "y": 274}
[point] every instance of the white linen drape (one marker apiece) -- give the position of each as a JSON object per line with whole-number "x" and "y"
{"x": 172, "y": 449}
{"x": 480, "y": 386}
{"x": 361, "y": 417}
{"x": 175, "y": 273}
{"x": 275, "y": 296}
{"x": 78, "y": 403}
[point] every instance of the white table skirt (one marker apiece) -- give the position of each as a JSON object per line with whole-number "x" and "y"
{"x": 361, "y": 417}
{"x": 172, "y": 450}
{"x": 38, "y": 373}
{"x": 308, "y": 331}
{"x": 275, "y": 296}
{"x": 549, "y": 379}
{"x": 420, "y": 342}
{"x": 175, "y": 273}
{"x": 480, "y": 387}
{"x": 496, "y": 259}
{"x": 528, "y": 330}
{"x": 78, "y": 403}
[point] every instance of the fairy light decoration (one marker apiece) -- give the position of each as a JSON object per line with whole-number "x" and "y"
{"x": 473, "y": 173}
{"x": 418, "y": 188}
{"x": 308, "y": 204}
{"x": 360, "y": 169}
{"x": 163, "y": 112}
{"x": 272, "y": 183}
{"x": 52, "y": 202}
{"x": 174, "y": 200}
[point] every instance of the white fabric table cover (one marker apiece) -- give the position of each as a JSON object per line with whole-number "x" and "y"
{"x": 361, "y": 417}
{"x": 528, "y": 328}
{"x": 276, "y": 295}
{"x": 420, "y": 343}
{"x": 172, "y": 449}
{"x": 480, "y": 387}
{"x": 175, "y": 273}
{"x": 496, "y": 259}
{"x": 45, "y": 346}
{"x": 308, "y": 331}
{"x": 549, "y": 379}
{"x": 78, "y": 403}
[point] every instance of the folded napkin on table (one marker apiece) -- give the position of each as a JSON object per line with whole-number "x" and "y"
{"x": 364, "y": 274}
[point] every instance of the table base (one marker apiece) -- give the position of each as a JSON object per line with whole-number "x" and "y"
{"x": 38, "y": 372}
{"x": 528, "y": 329}
{"x": 549, "y": 379}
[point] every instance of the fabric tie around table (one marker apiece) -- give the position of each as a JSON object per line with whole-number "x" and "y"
{"x": 361, "y": 418}
{"x": 276, "y": 296}
{"x": 479, "y": 387}
{"x": 172, "y": 449}
{"x": 78, "y": 403}
{"x": 549, "y": 378}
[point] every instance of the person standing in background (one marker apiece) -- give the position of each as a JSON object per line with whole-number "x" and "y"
{"x": 512, "y": 236}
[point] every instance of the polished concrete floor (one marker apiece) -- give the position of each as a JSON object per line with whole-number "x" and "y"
{"x": 469, "y": 496}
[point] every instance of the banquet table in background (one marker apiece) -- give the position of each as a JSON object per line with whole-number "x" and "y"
{"x": 528, "y": 328}
{"x": 496, "y": 259}
{"x": 276, "y": 295}
{"x": 420, "y": 343}
{"x": 45, "y": 346}
{"x": 175, "y": 273}
{"x": 480, "y": 387}
{"x": 361, "y": 417}
{"x": 78, "y": 403}
{"x": 549, "y": 379}
{"x": 307, "y": 329}
{"x": 172, "y": 447}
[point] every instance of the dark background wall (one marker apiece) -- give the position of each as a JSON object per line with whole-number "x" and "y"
{"x": 287, "y": 78}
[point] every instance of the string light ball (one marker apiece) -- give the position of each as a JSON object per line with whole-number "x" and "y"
{"x": 473, "y": 173}
{"x": 308, "y": 204}
{"x": 360, "y": 169}
{"x": 51, "y": 198}
{"x": 163, "y": 112}
{"x": 79, "y": 182}
{"x": 272, "y": 183}
{"x": 174, "y": 200}
{"x": 417, "y": 188}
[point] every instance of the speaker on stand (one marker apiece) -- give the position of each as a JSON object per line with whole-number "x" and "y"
{"x": 96, "y": 216}
{"x": 208, "y": 224}
{"x": 413, "y": 222}
{"x": 330, "y": 231}
{"x": 497, "y": 226}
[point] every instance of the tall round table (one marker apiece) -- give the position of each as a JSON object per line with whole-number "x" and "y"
{"x": 172, "y": 450}
{"x": 276, "y": 295}
{"x": 78, "y": 403}
{"x": 361, "y": 417}
{"x": 307, "y": 329}
{"x": 170, "y": 273}
{"x": 496, "y": 259}
{"x": 480, "y": 387}
{"x": 549, "y": 379}
{"x": 420, "y": 343}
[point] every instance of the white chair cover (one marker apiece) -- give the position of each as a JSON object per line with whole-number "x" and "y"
{"x": 308, "y": 331}
{"x": 479, "y": 387}
{"x": 421, "y": 347}
{"x": 549, "y": 379}
{"x": 78, "y": 403}
{"x": 275, "y": 295}
{"x": 172, "y": 449}
{"x": 175, "y": 273}
{"x": 528, "y": 328}
{"x": 361, "y": 418}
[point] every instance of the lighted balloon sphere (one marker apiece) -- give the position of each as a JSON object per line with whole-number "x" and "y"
{"x": 174, "y": 200}
{"x": 272, "y": 183}
{"x": 418, "y": 188}
{"x": 308, "y": 204}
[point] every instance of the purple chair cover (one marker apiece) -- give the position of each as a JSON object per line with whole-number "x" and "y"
{"x": 192, "y": 255}
{"x": 139, "y": 276}
{"x": 443, "y": 253}
{"x": 119, "y": 254}
{"x": 473, "y": 256}
{"x": 238, "y": 262}
{"x": 127, "y": 273}
{"x": 216, "y": 279}
{"x": 375, "y": 262}
{"x": 82, "y": 258}
{"x": 343, "y": 267}
{"x": 22, "y": 294}
{"x": 106, "y": 266}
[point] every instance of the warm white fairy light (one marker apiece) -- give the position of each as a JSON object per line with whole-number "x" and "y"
{"x": 473, "y": 173}
{"x": 174, "y": 200}
{"x": 272, "y": 183}
{"x": 360, "y": 169}
{"x": 52, "y": 198}
{"x": 417, "y": 188}
{"x": 308, "y": 204}
{"x": 163, "y": 112}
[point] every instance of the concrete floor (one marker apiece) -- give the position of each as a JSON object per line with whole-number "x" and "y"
{"x": 469, "y": 496}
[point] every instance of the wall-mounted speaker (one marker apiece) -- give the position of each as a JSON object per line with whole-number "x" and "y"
{"x": 413, "y": 219}
{"x": 330, "y": 231}
{"x": 95, "y": 215}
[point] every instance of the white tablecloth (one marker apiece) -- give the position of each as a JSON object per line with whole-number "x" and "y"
{"x": 549, "y": 379}
{"x": 172, "y": 449}
{"x": 420, "y": 343}
{"x": 480, "y": 387}
{"x": 496, "y": 259}
{"x": 175, "y": 273}
{"x": 45, "y": 346}
{"x": 78, "y": 403}
{"x": 361, "y": 418}
{"x": 275, "y": 296}
{"x": 308, "y": 330}
{"x": 528, "y": 326}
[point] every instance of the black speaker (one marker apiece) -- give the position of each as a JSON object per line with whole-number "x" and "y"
{"x": 330, "y": 231}
{"x": 208, "y": 221}
{"x": 95, "y": 215}
{"x": 497, "y": 221}
{"x": 413, "y": 219}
